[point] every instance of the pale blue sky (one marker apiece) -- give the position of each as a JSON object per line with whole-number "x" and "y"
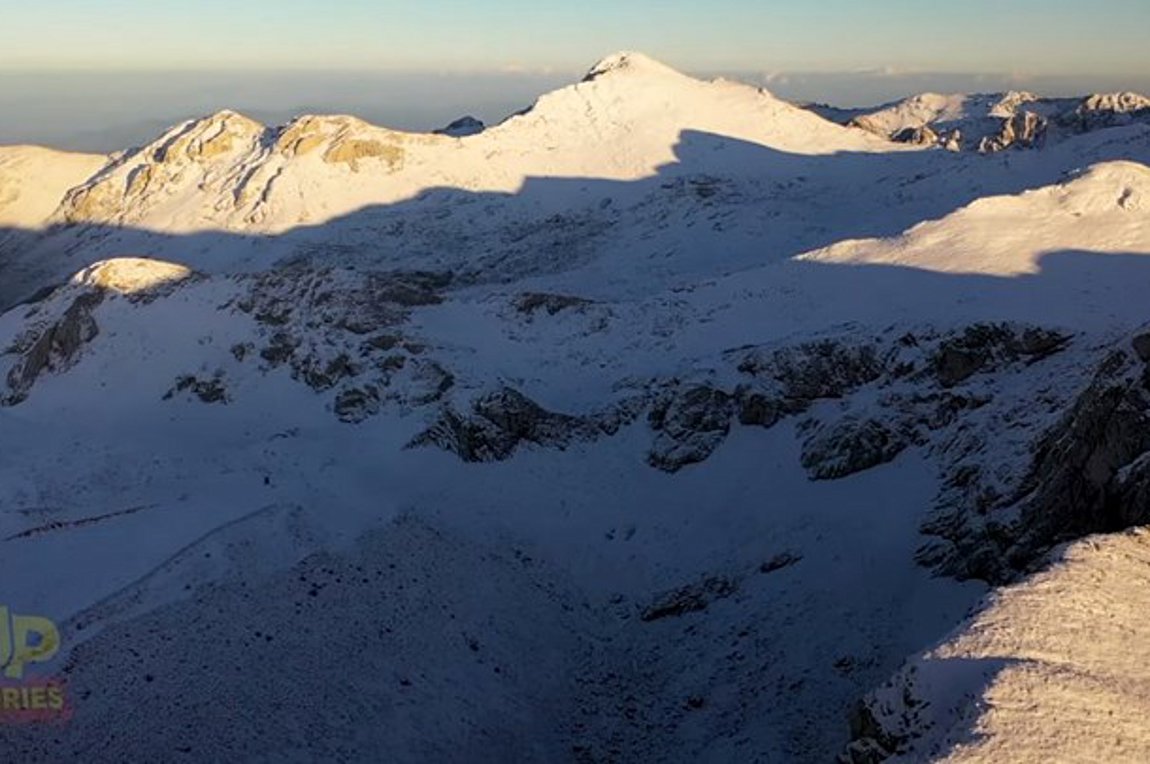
{"x": 1024, "y": 36}
{"x": 100, "y": 75}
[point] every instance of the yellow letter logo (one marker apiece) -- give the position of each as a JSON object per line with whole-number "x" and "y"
{"x": 34, "y": 640}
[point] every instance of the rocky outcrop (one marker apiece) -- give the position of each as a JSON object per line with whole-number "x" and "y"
{"x": 690, "y": 424}
{"x": 1087, "y": 475}
{"x": 1105, "y": 110}
{"x": 916, "y": 136}
{"x": 1024, "y": 130}
{"x": 212, "y": 390}
{"x": 1089, "y": 472}
{"x": 993, "y": 123}
{"x": 813, "y": 370}
{"x": 529, "y": 303}
{"x": 691, "y": 598}
{"x": 341, "y": 331}
{"x": 985, "y": 347}
{"x": 53, "y": 348}
{"x": 499, "y": 423}
{"x": 849, "y": 446}
{"x": 294, "y": 302}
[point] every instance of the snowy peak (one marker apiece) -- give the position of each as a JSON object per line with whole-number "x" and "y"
{"x": 630, "y": 64}
{"x": 624, "y": 121}
{"x": 993, "y": 122}
{"x": 196, "y": 155}
{"x": 203, "y": 139}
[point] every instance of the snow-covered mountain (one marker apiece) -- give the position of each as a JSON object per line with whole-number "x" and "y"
{"x": 660, "y": 422}
{"x": 993, "y": 122}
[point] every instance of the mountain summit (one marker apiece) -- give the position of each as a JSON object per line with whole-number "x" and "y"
{"x": 632, "y": 64}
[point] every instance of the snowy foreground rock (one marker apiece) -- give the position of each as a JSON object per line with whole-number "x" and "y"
{"x": 660, "y": 422}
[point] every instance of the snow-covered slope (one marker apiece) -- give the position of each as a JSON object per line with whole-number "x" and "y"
{"x": 1050, "y": 669}
{"x": 33, "y": 182}
{"x": 660, "y": 422}
{"x": 1104, "y": 209}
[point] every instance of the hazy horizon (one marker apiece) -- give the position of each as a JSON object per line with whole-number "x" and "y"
{"x": 1042, "y": 37}
{"x": 104, "y": 111}
{"x": 101, "y": 76}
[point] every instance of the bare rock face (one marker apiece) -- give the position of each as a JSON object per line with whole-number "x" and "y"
{"x": 850, "y": 446}
{"x": 916, "y": 136}
{"x": 815, "y": 370}
{"x": 54, "y": 348}
{"x": 499, "y": 423}
{"x": 690, "y": 424}
{"x": 985, "y": 347}
{"x": 1024, "y": 130}
{"x": 1088, "y": 475}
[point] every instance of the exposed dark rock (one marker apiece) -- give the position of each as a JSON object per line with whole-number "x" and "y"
{"x": 207, "y": 390}
{"x": 463, "y": 127}
{"x": 984, "y": 347}
{"x": 780, "y": 561}
{"x": 322, "y": 375}
{"x": 937, "y": 410}
{"x": 280, "y": 349}
{"x": 316, "y": 298}
{"x": 690, "y": 599}
{"x": 757, "y": 409}
{"x": 409, "y": 288}
{"x": 1077, "y": 490}
{"x": 356, "y": 404}
{"x": 870, "y": 742}
{"x": 1088, "y": 475}
{"x": 816, "y": 370}
{"x": 54, "y": 348}
{"x": 850, "y": 446}
{"x": 498, "y": 424}
{"x": 1141, "y": 345}
{"x": 917, "y": 136}
{"x": 531, "y": 302}
{"x": 429, "y": 383}
{"x": 691, "y": 424}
